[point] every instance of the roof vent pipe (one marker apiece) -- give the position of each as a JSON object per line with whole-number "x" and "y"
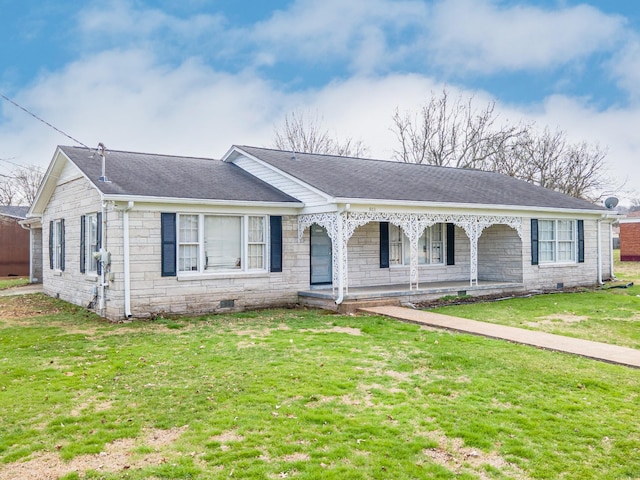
{"x": 102, "y": 150}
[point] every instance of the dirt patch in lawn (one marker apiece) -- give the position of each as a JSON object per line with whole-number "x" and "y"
{"x": 26, "y": 306}
{"x": 117, "y": 456}
{"x": 558, "y": 318}
{"x": 453, "y": 455}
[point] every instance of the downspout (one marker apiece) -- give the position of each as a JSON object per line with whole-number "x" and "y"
{"x": 125, "y": 249}
{"x": 24, "y": 227}
{"x": 600, "y": 252}
{"x": 341, "y": 254}
{"x": 101, "y": 259}
{"x": 613, "y": 277}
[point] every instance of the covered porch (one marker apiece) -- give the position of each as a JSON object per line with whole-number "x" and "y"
{"x": 489, "y": 266}
{"x": 400, "y": 294}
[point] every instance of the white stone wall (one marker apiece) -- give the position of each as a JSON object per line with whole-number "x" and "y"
{"x": 363, "y": 252}
{"x": 500, "y": 254}
{"x": 69, "y": 201}
{"x": 36, "y": 255}
{"x": 553, "y": 276}
{"x": 152, "y": 294}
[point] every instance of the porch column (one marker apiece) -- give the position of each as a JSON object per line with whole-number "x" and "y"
{"x": 473, "y": 255}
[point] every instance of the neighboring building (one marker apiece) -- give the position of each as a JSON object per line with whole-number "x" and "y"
{"x": 14, "y": 242}
{"x": 264, "y": 228}
{"x": 630, "y": 238}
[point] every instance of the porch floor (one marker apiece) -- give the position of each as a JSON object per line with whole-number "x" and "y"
{"x": 358, "y": 297}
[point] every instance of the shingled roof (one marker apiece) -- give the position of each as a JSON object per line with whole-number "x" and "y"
{"x": 151, "y": 175}
{"x": 14, "y": 212}
{"x": 357, "y": 178}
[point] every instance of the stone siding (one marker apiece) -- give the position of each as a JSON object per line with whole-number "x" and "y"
{"x": 363, "y": 252}
{"x": 556, "y": 276}
{"x": 69, "y": 201}
{"x": 500, "y": 254}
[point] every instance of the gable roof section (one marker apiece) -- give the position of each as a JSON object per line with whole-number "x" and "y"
{"x": 357, "y": 178}
{"x": 14, "y": 212}
{"x": 164, "y": 176}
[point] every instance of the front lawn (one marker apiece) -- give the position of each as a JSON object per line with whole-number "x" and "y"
{"x": 299, "y": 394}
{"x": 610, "y": 315}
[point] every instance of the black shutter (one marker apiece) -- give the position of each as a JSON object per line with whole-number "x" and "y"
{"x": 99, "y": 241}
{"x": 580, "y": 241}
{"x": 384, "y": 244}
{"x": 51, "y": 245}
{"x": 451, "y": 244}
{"x": 82, "y": 244}
{"x": 275, "y": 229}
{"x": 62, "y": 259}
{"x": 168, "y": 233}
{"x": 534, "y": 241}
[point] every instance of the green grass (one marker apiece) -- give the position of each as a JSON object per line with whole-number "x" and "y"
{"x": 609, "y": 315}
{"x": 300, "y": 394}
{"x": 9, "y": 282}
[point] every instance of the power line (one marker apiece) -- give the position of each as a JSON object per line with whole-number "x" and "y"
{"x": 43, "y": 121}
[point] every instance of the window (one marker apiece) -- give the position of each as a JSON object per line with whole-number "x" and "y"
{"x": 430, "y": 246}
{"x": 213, "y": 243}
{"x": 557, "y": 241}
{"x": 90, "y": 243}
{"x": 56, "y": 244}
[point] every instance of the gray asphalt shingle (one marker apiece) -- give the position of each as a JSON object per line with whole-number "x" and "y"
{"x": 152, "y": 175}
{"x": 358, "y": 178}
{"x": 14, "y": 212}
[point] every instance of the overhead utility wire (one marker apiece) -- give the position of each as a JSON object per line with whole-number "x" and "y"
{"x": 43, "y": 121}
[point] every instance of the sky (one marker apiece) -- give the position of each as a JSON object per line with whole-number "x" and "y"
{"x": 197, "y": 76}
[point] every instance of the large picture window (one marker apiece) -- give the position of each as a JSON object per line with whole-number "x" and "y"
{"x": 557, "y": 241}
{"x": 430, "y": 246}
{"x": 214, "y": 243}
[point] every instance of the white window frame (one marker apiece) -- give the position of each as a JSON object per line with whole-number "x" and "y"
{"x": 550, "y": 255}
{"x": 57, "y": 244}
{"x": 399, "y": 249}
{"x": 260, "y": 248}
{"x": 91, "y": 244}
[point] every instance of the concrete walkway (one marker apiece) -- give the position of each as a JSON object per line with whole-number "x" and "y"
{"x": 586, "y": 348}
{"x": 31, "y": 288}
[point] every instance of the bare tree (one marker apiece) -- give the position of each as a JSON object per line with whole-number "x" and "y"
{"x": 452, "y": 133}
{"x": 20, "y": 186}
{"x": 28, "y": 179}
{"x": 305, "y": 133}
{"x": 548, "y": 159}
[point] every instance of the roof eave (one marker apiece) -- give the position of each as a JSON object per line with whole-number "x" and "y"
{"x": 467, "y": 206}
{"x": 199, "y": 201}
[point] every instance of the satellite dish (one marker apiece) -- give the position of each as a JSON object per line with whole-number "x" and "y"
{"x": 611, "y": 202}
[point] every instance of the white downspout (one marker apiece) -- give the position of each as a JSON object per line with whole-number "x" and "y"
{"x": 600, "y": 252}
{"x": 103, "y": 249}
{"x": 127, "y": 271}
{"x": 24, "y": 227}
{"x": 613, "y": 277}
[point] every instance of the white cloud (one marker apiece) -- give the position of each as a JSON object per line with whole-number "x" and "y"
{"x": 625, "y": 67}
{"x": 120, "y": 23}
{"x": 135, "y": 99}
{"x": 356, "y": 31}
{"x": 484, "y": 36}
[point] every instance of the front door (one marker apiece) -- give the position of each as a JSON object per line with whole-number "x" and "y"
{"x": 320, "y": 256}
